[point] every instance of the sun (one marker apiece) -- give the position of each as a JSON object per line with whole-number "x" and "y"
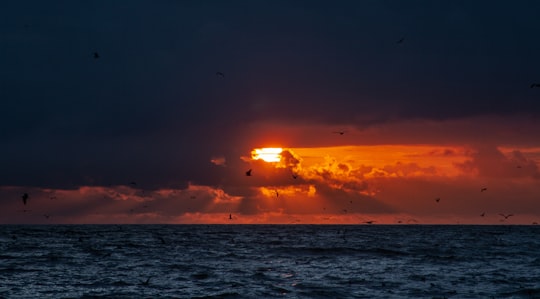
{"x": 267, "y": 154}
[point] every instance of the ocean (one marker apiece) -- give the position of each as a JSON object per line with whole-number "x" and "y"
{"x": 269, "y": 261}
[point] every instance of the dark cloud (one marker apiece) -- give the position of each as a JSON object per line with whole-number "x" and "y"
{"x": 151, "y": 106}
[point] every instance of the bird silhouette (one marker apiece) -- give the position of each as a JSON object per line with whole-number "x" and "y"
{"x": 535, "y": 85}
{"x": 96, "y": 55}
{"x": 483, "y": 189}
{"x": 248, "y": 173}
{"x": 220, "y": 74}
{"x": 506, "y": 216}
{"x": 25, "y": 198}
{"x": 147, "y": 282}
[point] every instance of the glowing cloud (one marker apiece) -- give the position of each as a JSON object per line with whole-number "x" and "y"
{"x": 269, "y": 154}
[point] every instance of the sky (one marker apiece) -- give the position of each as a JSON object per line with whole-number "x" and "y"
{"x": 387, "y": 112}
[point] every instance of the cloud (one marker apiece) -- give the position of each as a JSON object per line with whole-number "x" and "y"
{"x": 220, "y": 161}
{"x": 490, "y": 162}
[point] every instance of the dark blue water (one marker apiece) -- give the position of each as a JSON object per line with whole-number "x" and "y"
{"x": 269, "y": 261}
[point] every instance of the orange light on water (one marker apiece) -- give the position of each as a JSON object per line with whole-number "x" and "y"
{"x": 267, "y": 154}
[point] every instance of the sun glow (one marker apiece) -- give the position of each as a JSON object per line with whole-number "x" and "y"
{"x": 267, "y": 154}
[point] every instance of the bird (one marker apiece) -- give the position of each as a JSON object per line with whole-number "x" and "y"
{"x": 437, "y": 199}
{"x": 96, "y": 55}
{"x": 220, "y": 74}
{"x": 147, "y": 282}
{"x": 339, "y": 132}
{"x": 483, "y": 189}
{"x": 24, "y": 198}
{"x": 535, "y": 85}
{"x": 248, "y": 173}
{"x": 506, "y": 216}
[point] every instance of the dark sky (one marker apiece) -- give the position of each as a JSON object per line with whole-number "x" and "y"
{"x": 151, "y": 108}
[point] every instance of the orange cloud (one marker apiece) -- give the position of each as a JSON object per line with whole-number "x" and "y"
{"x": 341, "y": 184}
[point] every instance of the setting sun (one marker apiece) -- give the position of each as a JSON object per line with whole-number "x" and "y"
{"x": 269, "y": 154}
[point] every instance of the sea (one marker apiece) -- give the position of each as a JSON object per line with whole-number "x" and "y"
{"x": 269, "y": 261}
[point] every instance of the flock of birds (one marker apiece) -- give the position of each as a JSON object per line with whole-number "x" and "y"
{"x": 25, "y": 198}
{"x": 249, "y": 173}
{"x": 221, "y": 75}
{"x": 437, "y": 200}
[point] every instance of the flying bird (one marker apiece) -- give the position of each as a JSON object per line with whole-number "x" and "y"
{"x": 220, "y": 74}
{"x": 24, "y": 198}
{"x": 248, "y": 173}
{"x": 483, "y": 189}
{"x": 506, "y": 216}
{"x": 535, "y": 85}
